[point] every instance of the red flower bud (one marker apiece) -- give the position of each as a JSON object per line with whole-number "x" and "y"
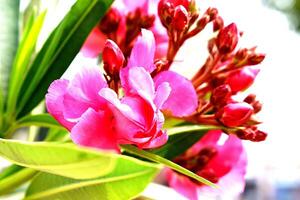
{"x": 221, "y": 95}
{"x": 218, "y": 24}
{"x": 165, "y": 12}
{"x": 212, "y": 13}
{"x": 242, "y": 79}
{"x": 255, "y": 59}
{"x": 110, "y": 22}
{"x": 250, "y": 98}
{"x": 113, "y": 58}
{"x": 180, "y": 19}
{"x": 252, "y": 134}
{"x": 235, "y": 114}
{"x": 259, "y": 136}
{"x": 227, "y": 39}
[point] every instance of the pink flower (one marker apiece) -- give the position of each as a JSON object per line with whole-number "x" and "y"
{"x": 115, "y": 20}
{"x": 223, "y": 164}
{"x": 97, "y": 117}
{"x": 182, "y": 100}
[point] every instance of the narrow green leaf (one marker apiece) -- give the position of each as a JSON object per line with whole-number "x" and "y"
{"x": 63, "y": 159}
{"x": 11, "y": 182}
{"x": 51, "y": 63}
{"x": 156, "y": 158}
{"x": 9, "y": 170}
{"x": 9, "y": 16}
{"x": 23, "y": 57}
{"x": 124, "y": 182}
{"x": 180, "y": 139}
{"x": 43, "y": 120}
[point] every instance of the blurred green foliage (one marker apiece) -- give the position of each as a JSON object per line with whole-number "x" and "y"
{"x": 290, "y": 7}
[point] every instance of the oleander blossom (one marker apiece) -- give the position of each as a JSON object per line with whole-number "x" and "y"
{"x": 97, "y": 116}
{"x": 224, "y": 164}
{"x": 123, "y": 23}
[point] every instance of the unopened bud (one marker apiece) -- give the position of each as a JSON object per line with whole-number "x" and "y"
{"x": 259, "y": 136}
{"x": 221, "y": 95}
{"x": 227, "y": 39}
{"x": 180, "y": 19}
{"x": 113, "y": 58}
{"x": 212, "y": 13}
{"x": 246, "y": 134}
{"x": 255, "y": 59}
{"x": 202, "y": 22}
{"x": 250, "y": 98}
{"x": 241, "y": 54}
{"x": 110, "y": 22}
{"x": 257, "y": 106}
{"x": 241, "y": 79}
{"x": 235, "y": 114}
{"x": 165, "y": 12}
{"x": 211, "y": 46}
{"x": 218, "y": 24}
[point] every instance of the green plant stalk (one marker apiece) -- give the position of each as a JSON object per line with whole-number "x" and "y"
{"x": 12, "y": 182}
{"x": 158, "y": 159}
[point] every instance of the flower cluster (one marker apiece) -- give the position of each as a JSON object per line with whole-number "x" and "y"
{"x": 128, "y": 102}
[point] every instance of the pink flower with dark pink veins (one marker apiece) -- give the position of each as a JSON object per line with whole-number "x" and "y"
{"x": 223, "y": 164}
{"x": 97, "y": 117}
{"x": 123, "y": 23}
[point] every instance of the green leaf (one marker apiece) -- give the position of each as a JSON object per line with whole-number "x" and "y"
{"x": 9, "y": 170}
{"x": 63, "y": 159}
{"x": 59, "y": 50}
{"x": 23, "y": 57}
{"x": 156, "y": 158}
{"x": 124, "y": 182}
{"x": 9, "y": 16}
{"x": 180, "y": 139}
{"x": 15, "y": 178}
{"x": 43, "y": 120}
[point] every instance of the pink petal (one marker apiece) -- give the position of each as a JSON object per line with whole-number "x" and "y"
{"x": 83, "y": 92}
{"x": 182, "y": 100}
{"x": 142, "y": 54}
{"x": 144, "y": 111}
{"x": 233, "y": 183}
{"x": 209, "y": 139}
{"x": 160, "y": 139}
{"x": 127, "y": 120}
{"x": 136, "y": 80}
{"x": 182, "y": 185}
{"x": 135, "y": 120}
{"x": 55, "y": 104}
{"x": 228, "y": 156}
{"x": 95, "y": 130}
{"x": 94, "y": 44}
{"x": 162, "y": 94}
